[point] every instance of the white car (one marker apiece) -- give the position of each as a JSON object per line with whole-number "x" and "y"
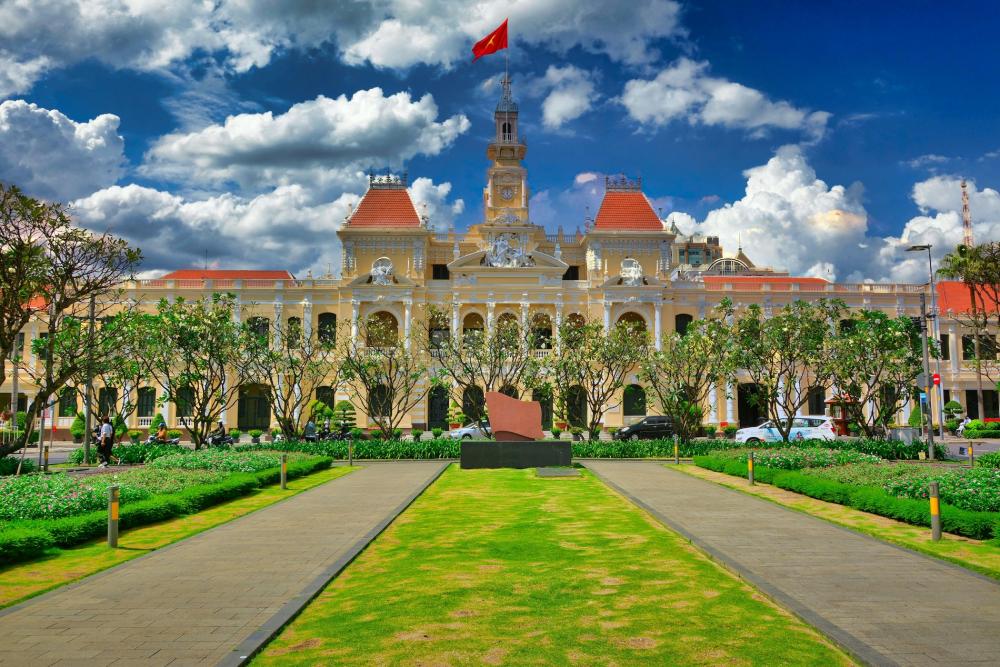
{"x": 480, "y": 431}
{"x": 818, "y": 427}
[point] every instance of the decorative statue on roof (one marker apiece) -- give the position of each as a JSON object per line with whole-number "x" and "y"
{"x": 505, "y": 253}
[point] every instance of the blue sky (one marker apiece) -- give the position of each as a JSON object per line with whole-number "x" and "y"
{"x": 826, "y": 136}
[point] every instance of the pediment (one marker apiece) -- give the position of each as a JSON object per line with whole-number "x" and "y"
{"x": 475, "y": 263}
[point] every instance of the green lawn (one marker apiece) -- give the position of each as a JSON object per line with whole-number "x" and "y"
{"x": 503, "y": 567}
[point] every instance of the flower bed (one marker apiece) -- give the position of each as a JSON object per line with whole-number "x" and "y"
{"x": 797, "y": 458}
{"x": 975, "y": 524}
{"x": 222, "y": 461}
{"x": 977, "y": 489}
{"x": 28, "y": 538}
{"x": 129, "y": 454}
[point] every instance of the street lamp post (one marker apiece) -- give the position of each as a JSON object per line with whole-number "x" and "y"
{"x": 939, "y": 390}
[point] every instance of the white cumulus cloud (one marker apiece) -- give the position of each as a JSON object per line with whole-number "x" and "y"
{"x": 570, "y": 93}
{"x": 324, "y": 142}
{"x": 685, "y": 91}
{"x": 51, "y": 156}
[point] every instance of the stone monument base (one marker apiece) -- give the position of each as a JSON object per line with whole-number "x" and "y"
{"x": 506, "y": 454}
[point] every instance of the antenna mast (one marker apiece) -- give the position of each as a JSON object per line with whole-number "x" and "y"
{"x": 966, "y": 217}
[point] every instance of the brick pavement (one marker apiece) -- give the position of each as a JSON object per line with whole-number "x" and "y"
{"x": 217, "y": 596}
{"x": 884, "y": 604}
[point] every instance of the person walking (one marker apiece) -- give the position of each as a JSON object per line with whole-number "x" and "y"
{"x": 104, "y": 448}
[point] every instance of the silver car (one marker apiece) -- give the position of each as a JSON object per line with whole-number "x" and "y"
{"x": 480, "y": 431}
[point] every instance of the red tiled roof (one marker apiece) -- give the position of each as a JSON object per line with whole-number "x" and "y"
{"x": 760, "y": 280}
{"x": 954, "y": 296}
{"x": 385, "y": 207}
{"x": 213, "y": 274}
{"x": 626, "y": 210}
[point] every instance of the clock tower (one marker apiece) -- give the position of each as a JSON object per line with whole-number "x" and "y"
{"x": 505, "y": 198}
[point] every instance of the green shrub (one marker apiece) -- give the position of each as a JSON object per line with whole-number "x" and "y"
{"x": 977, "y": 525}
{"x": 8, "y": 465}
{"x": 916, "y": 419}
{"x": 951, "y": 425}
{"x": 730, "y": 431}
{"x": 953, "y": 408}
{"x": 21, "y": 419}
{"x": 437, "y": 432}
{"x": 357, "y": 433}
{"x": 797, "y": 458}
{"x": 155, "y": 423}
{"x": 345, "y": 415}
{"x": 174, "y": 433}
{"x": 235, "y": 434}
{"x": 255, "y": 433}
{"x": 991, "y": 460}
{"x": 20, "y": 543}
{"x": 556, "y": 432}
{"x": 79, "y": 427}
{"x": 416, "y": 433}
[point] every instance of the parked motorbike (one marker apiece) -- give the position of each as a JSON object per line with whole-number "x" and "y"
{"x": 151, "y": 440}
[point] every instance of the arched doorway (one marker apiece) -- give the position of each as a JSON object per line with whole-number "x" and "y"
{"x": 253, "y": 409}
{"x": 681, "y": 322}
{"x": 382, "y": 329}
{"x": 576, "y": 406}
{"x": 751, "y": 412}
{"x": 473, "y": 402}
{"x": 544, "y": 399}
{"x": 634, "y": 321}
{"x": 380, "y": 402}
{"x": 437, "y": 408}
{"x": 541, "y": 331}
{"x": 508, "y": 390}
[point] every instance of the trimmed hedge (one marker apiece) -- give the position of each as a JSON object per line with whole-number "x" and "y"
{"x": 447, "y": 448}
{"x": 20, "y": 540}
{"x": 8, "y": 465}
{"x": 977, "y": 525}
{"x": 991, "y": 460}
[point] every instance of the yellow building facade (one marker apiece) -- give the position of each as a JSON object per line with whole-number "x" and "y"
{"x": 627, "y": 263}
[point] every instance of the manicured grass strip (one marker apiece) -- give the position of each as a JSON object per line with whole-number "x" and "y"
{"x": 977, "y": 555}
{"x": 63, "y": 566}
{"x": 977, "y": 525}
{"x": 503, "y": 567}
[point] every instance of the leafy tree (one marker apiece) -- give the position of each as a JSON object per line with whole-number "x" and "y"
{"x": 783, "y": 352}
{"x": 491, "y": 360}
{"x": 683, "y": 371}
{"x": 290, "y": 364}
{"x": 875, "y": 361}
{"x": 979, "y": 268}
{"x": 192, "y": 351}
{"x": 344, "y": 415}
{"x": 392, "y": 378}
{"x": 597, "y": 362}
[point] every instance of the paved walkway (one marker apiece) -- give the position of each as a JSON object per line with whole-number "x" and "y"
{"x": 884, "y": 604}
{"x": 221, "y": 594}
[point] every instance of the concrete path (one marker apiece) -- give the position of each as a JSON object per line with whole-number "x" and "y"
{"x": 884, "y": 604}
{"x": 218, "y": 596}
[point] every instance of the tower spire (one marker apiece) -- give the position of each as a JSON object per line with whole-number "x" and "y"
{"x": 966, "y": 217}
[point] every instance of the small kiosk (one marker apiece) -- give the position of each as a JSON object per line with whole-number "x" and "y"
{"x": 838, "y": 410}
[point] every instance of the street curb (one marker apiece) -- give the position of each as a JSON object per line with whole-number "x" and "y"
{"x": 846, "y": 641}
{"x": 250, "y": 646}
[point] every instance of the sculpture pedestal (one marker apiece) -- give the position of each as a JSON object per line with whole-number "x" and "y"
{"x": 506, "y": 454}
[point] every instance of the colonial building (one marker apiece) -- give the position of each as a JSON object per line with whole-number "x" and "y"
{"x": 626, "y": 264}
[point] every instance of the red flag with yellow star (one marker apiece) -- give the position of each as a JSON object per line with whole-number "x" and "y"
{"x": 492, "y": 43}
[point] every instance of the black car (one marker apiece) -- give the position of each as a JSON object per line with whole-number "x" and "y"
{"x": 648, "y": 428}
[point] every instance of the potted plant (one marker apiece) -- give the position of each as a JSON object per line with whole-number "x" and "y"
{"x": 78, "y": 428}
{"x": 730, "y": 431}
{"x": 357, "y": 434}
{"x": 556, "y": 432}
{"x": 235, "y": 434}
{"x": 455, "y": 416}
{"x": 437, "y": 432}
{"x": 255, "y": 434}
{"x": 134, "y": 435}
{"x": 417, "y": 434}
{"x": 576, "y": 432}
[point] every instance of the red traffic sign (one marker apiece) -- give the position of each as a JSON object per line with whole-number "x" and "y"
{"x": 937, "y": 379}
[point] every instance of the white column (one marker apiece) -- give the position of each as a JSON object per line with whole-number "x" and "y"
{"x": 713, "y": 410}
{"x": 222, "y": 413}
{"x": 279, "y": 326}
{"x": 658, "y": 324}
{"x": 490, "y": 307}
{"x": 407, "y": 313}
{"x": 558, "y": 324}
{"x": 524, "y": 312}
{"x": 954, "y": 348}
{"x": 307, "y": 318}
{"x": 731, "y": 403}
{"x": 455, "y": 323}
{"x": 355, "y": 314}
{"x": 781, "y": 391}
{"x": 237, "y": 315}
{"x": 798, "y": 391}
{"x": 607, "y": 316}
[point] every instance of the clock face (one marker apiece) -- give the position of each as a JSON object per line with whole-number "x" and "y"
{"x": 507, "y": 193}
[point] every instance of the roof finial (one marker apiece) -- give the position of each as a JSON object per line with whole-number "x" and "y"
{"x": 506, "y": 103}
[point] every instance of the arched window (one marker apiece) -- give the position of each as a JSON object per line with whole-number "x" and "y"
{"x": 438, "y": 331}
{"x": 328, "y": 328}
{"x": 382, "y": 330}
{"x": 253, "y": 409}
{"x": 681, "y": 322}
{"x": 259, "y": 326}
{"x": 508, "y": 390}
{"x": 380, "y": 401}
{"x": 293, "y": 332}
{"x": 473, "y": 402}
{"x": 507, "y": 320}
{"x": 107, "y": 402}
{"x": 147, "y": 402}
{"x": 325, "y": 396}
{"x": 633, "y": 320}
{"x": 505, "y": 129}
{"x": 473, "y": 322}
{"x": 634, "y": 401}
{"x": 541, "y": 331}
{"x": 67, "y": 402}
{"x": 185, "y": 400}
{"x": 571, "y": 330}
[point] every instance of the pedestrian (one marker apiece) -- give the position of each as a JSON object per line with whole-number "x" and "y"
{"x": 104, "y": 448}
